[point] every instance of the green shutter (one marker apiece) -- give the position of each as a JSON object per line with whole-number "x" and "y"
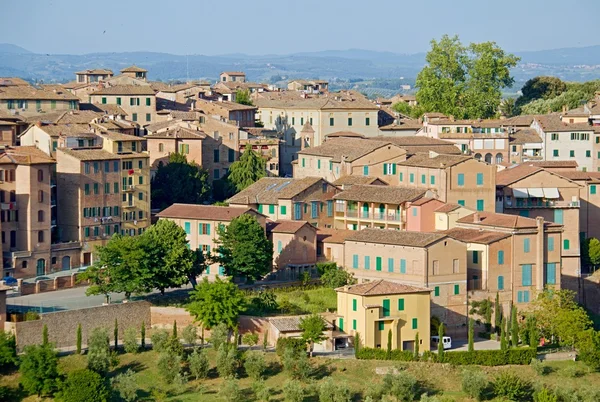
{"x": 432, "y": 180}
{"x": 456, "y": 289}
{"x": 436, "y": 291}
{"x": 283, "y": 210}
{"x": 381, "y": 325}
{"x": 355, "y": 261}
{"x": 390, "y": 265}
{"x": 378, "y": 263}
{"x": 271, "y": 208}
{"x": 341, "y": 324}
{"x": 480, "y": 205}
{"x": 354, "y": 305}
{"x": 415, "y": 323}
{"x": 402, "y": 266}
{"x": 365, "y": 170}
{"x": 412, "y": 177}
{"x": 354, "y": 325}
{"x": 593, "y": 188}
{"x": 386, "y": 307}
{"x": 566, "y": 244}
{"x": 400, "y": 304}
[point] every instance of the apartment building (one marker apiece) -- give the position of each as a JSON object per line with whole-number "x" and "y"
{"x": 330, "y": 245}
{"x": 138, "y": 101}
{"x": 28, "y": 101}
{"x": 374, "y": 309}
{"x": 49, "y": 137}
{"x": 92, "y": 76}
{"x": 525, "y": 145}
{"x": 374, "y": 206}
{"x": 268, "y": 149}
{"x": 430, "y": 260}
{"x": 136, "y": 72}
{"x": 186, "y": 141}
{"x": 350, "y": 156}
{"x": 200, "y": 222}
{"x": 294, "y": 246}
{"x": 289, "y": 111}
{"x": 531, "y": 191}
{"x": 232, "y": 76}
{"x": 226, "y": 111}
{"x": 308, "y": 199}
{"x": 309, "y": 86}
{"x": 11, "y": 127}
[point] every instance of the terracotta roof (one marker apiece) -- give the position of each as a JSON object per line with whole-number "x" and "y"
{"x": 224, "y": 104}
{"x": 339, "y": 134}
{"x": 134, "y": 69}
{"x": 186, "y": 116}
{"x": 435, "y": 115}
{"x": 554, "y": 164}
{"x": 7, "y": 123}
{"x": 552, "y": 123}
{"x": 422, "y": 201}
{"x": 208, "y": 212}
{"x": 106, "y": 109}
{"x": 381, "y": 287}
{"x": 448, "y": 208}
{"x": 395, "y": 237}
{"x": 13, "y": 81}
{"x": 179, "y": 132}
{"x": 350, "y": 148}
{"x": 380, "y": 194}
{"x": 434, "y": 161}
{"x": 502, "y": 220}
{"x": 178, "y": 87}
{"x": 125, "y": 90}
{"x": 519, "y": 121}
{"x": 237, "y": 73}
{"x": 98, "y": 154}
{"x": 292, "y": 324}
{"x": 578, "y": 175}
{"x": 115, "y": 136}
{"x": 515, "y": 173}
{"x": 162, "y": 125}
{"x": 418, "y": 144}
{"x": 70, "y": 130}
{"x": 476, "y": 235}
{"x": 31, "y": 93}
{"x": 402, "y": 124}
{"x": 98, "y": 71}
{"x": 329, "y": 235}
{"x": 269, "y": 190}
{"x": 66, "y": 117}
{"x": 525, "y": 136}
{"x": 24, "y": 155}
{"x": 287, "y": 226}
{"x": 113, "y": 125}
{"x": 350, "y": 180}
{"x": 329, "y": 101}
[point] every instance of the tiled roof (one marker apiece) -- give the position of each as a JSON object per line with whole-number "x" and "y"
{"x": 24, "y": 155}
{"x": 448, "y": 208}
{"x": 380, "y": 194}
{"x": 70, "y": 130}
{"x": 418, "y": 144}
{"x": 395, "y": 237}
{"x": 402, "y": 124}
{"x": 476, "y": 235}
{"x": 162, "y": 125}
{"x": 179, "y": 132}
{"x": 287, "y": 226}
{"x": 115, "y": 136}
{"x": 13, "y": 81}
{"x": 237, "y": 73}
{"x": 350, "y": 180}
{"x": 339, "y": 134}
{"x": 125, "y": 90}
{"x": 578, "y": 175}
{"x": 292, "y": 324}
{"x": 97, "y": 154}
{"x": 350, "y": 148}
{"x": 422, "y": 201}
{"x": 329, "y": 101}
{"x": 515, "y": 173}
{"x": 552, "y": 123}
{"x": 329, "y": 235}
{"x": 269, "y": 190}
{"x": 554, "y": 164}
{"x": 519, "y": 121}
{"x": 381, "y": 287}
{"x": 525, "y": 136}
{"x": 186, "y": 116}
{"x": 106, "y": 109}
{"x": 434, "y": 161}
{"x": 224, "y": 104}
{"x": 100, "y": 71}
{"x": 31, "y": 93}
{"x": 502, "y": 220}
{"x": 134, "y": 69}
{"x": 178, "y": 87}
{"x": 208, "y": 212}
{"x": 66, "y": 117}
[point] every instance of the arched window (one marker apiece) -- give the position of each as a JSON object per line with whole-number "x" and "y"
{"x": 40, "y": 196}
{"x": 488, "y": 158}
{"x": 477, "y": 156}
{"x": 40, "y": 216}
{"x": 499, "y": 158}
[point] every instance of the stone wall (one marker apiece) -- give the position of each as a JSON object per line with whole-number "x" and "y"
{"x": 62, "y": 326}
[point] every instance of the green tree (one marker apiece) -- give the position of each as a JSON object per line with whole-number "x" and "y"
{"x": 125, "y": 384}
{"x": 198, "y": 363}
{"x": 143, "y": 335}
{"x": 247, "y": 170}
{"x": 337, "y": 277}
{"x": 116, "y": 334}
{"x": 39, "y": 370}
{"x": 242, "y": 96}
{"x": 190, "y": 334}
{"x": 99, "y": 351}
{"x": 169, "y": 365}
{"x": 230, "y": 391}
{"x": 503, "y": 335}
{"x": 130, "y": 343}
{"x": 243, "y": 248}
{"x": 416, "y": 351}
{"x": 388, "y": 352}
{"x": 331, "y": 390}
{"x": 45, "y": 335}
{"x": 312, "y": 328}
{"x": 497, "y": 314}
{"x": 464, "y": 81}
{"x": 514, "y": 330}
{"x": 192, "y": 183}
{"x": 293, "y": 391}
{"x": 471, "y": 346}
{"x": 484, "y": 309}
{"x": 84, "y": 386}
{"x": 8, "y": 351}
{"x": 540, "y": 88}
{"x": 533, "y": 338}
{"x": 255, "y": 365}
{"x": 216, "y": 302}
{"x": 474, "y": 383}
{"x": 588, "y": 348}
{"x": 591, "y": 252}
{"x": 79, "y": 339}
{"x": 508, "y": 108}
{"x": 227, "y": 360}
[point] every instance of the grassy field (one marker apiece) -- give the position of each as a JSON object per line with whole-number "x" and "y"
{"x": 443, "y": 380}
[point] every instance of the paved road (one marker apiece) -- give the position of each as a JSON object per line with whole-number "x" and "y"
{"x": 479, "y": 344}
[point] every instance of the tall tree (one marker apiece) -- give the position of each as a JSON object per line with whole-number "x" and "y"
{"x": 514, "y": 327}
{"x": 508, "y": 108}
{"x": 246, "y": 171}
{"x": 243, "y": 248}
{"x": 497, "y": 314}
{"x": 212, "y": 303}
{"x": 471, "y": 346}
{"x": 441, "y": 333}
{"x": 312, "y": 330}
{"x": 542, "y": 87}
{"x": 192, "y": 183}
{"x": 39, "y": 369}
{"x": 464, "y": 81}
{"x": 503, "y": 336}
{"x": 242, "y": 96}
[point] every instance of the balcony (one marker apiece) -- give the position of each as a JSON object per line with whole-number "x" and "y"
{"x": 129, "y": 187}
{"x": 540, "y": 203}
{"x": 376, "y": 216}
{"x": 8, "y": 206}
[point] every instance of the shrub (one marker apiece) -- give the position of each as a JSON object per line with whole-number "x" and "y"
{"x": 31, "y": 316}
{"x": 250, "y": 339}
{"x": 198, "y": 363}
{"x": 572, "y": 372}
{"x": 169, "y": 366}
{"x": 230, "y": 391}
{"x": 298, "y": 345}
{"x": 219, "y": 335}
{"x": 332, "y": 391}
{"x": 8, "y": 393}
{"x": 130, "y": 343}
{"x": 262, "y": 392}
{"x": 255, "y": 365}
{"x": 174, "y": 345}
{"x": 520, "y": 356}
{"x": 293, "y": 391}
{"x": 365, "y": 353}
{"x": 227, "y": 360}
{"x": 474, "y": 383}
{"x": 402, "y": 386}
{"x": 337, "y": 277}
{"x": 99, "y": 351}
{"x": 159, "y": 339}
{"x": 588, "y": 349}
{"x": 539, "y": 367}
{"x": 510, "y": 386}
{"x": 39, "y": 369}
{"x": 84, "y": 386}
{"x": 296, "y": 365}
{"x": 125, "y": 384}
{"x": 544, "y": 395}
{"x": 190, "y": 334}
{"x": 8, "y": 351}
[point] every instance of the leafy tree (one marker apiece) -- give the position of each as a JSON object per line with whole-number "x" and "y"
{"x": 247, "y": 170}
{"x": 471, "y": 334}
{"x": 508, "y": 108}
{"x": 216, "y": 302}
{"x": 533, "y": 338}
{"x": 169, "y": 365}
{"x": 227, "y": 360}
{"x": 293, "y": 391}
{"x": 312, "y": 330}
{"x": 265, "y": 342}
{"x": 190, "y": 334}
{"x": 192, "y": 183}
{"x": 514, "y": 330}
{"x": 250, "y": 339}
{"x": 84, "y": 386}
{"x": 588, "y": 348}
{"x": 230, "y": 391}
{"x": 337, "y": 277}
{"x": 261, "y": 391}
{"x": 125, "y": 384}
{"x": 242, "y": 96}
{"x": 464, "y": 82}
{"x": 484, "y": 309}
{"x": 39, "y": 370}
{"x": 333, "y": 391}
{"x": 159, "y": 339}
{"x": 130, "y": 343}
{"x": 296, "y": 364}
{"x": 441, "y": 343}
{"x": 255, "y": 365}
{"x": 99, "y": 351}
{"x": 510, "y": 386}
{"x": 8, "y": 351}
{"x": 219, "y": 334}
{"x": 243, "y": 248}
{"x": 198, "y": 363}
{"x": 79, "y": 339}
{"x": 407, "y": 110}
{"x": 590, "y": 252}
{"x": 544, "y": 395}
{"x": 474, "y": 383}
{"x": 402, "y": 386}
{"x": 541, "y": 88}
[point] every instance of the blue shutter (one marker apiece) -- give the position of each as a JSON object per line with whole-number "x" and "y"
{"x": 558, "y": 216}
{"x": 550, "y": 243}
{"x": 187, "y": 227}
{"x": 519, "y": 297}
{"x": 208, "y": 229}
{"x": 402, "y": 266}
{"x": 390, "y": 265}
{"x": 475, "y": 257}
{"x": 526, "y": 275}
{"x": 355, "y": 261}
{"x": 461, "y": 179}
{"x": 526, "y": 296}
{"x": 367, "y": 262}
{"x": 279, "y": 246}
{"x": 329, "y": 208}
{"x": 297, "y": 211}
{"x": 551, "y": 273}
{"x": 480, "y": 179}
{"x": 526, "y": 246}
{"x": 500, "y": 257}
{"x": 314, "y": 209}
{"x": 500, "y": 282}
{"x": 365, "y": 170}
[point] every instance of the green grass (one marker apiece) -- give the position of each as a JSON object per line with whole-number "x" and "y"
{"x": 442, "y": 379}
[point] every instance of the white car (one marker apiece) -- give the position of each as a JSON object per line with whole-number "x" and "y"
{"x": 446, "y": 340}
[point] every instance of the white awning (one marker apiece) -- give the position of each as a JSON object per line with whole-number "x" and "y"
{"x": 536, "y": 192}
{"x": 520, "y": 193}
{"x": 551, "y": 193}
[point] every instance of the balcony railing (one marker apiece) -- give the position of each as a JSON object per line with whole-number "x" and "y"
{"x": 541, "y": 203}
{"x": 377, "y": 216}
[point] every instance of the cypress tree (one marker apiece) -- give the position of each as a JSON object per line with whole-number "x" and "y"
{"x": 175, "y": 336}
{"x": 143, "y": 334}
{"x": 503, "y": 340}
{"x": 79, "y": 339}
{"x": 388, "y": 354}
{"x": 532, "y": 333}
{"x": 471, "y": 334}
{"x": 116, "y": 333}
{"x": 441, "y": 343}
{"x": 45, "y": 335}
{"x": 514, "y": 330}
{"x": 417, "y": 346}
{"x": 497, "y": 314}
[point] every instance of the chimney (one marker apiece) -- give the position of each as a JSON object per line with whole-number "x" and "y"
{"x": 476, "y": 218}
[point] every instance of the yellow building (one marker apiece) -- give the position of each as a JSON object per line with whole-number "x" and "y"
{"x": 374, "y": 308}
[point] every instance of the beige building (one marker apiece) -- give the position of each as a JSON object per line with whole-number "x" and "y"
{"x": 430, "y": 260}
{"x": 138, "y": 101}
{"x": 308, "y": 199}
{"x": 375, "y": 308}
{"x": 93, "y": 76}
{"x": 200, "y": 222}
{"x": 226, "y": 111}
{"x": 294, "y": 247}
{"x": 309, "y": 86}
{"x": 232, "y": 76}
{"x": 525, "y": 145}
{"x": 268, "y": 148}
{"x": 29, "y": 101}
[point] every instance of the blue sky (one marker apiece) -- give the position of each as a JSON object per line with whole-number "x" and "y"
{"x": 282, "y": 26}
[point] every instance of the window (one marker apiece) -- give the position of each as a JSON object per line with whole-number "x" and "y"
{"x": 390, "y": 265}
{"x": 216, "y": 174}
{"x": 500, "y": 282}
{"x": 555, "y": 153}
{"x": 415, "y": 211}
{"x": 401, "y": 176}
{"x": 423, "y": 179}
{"x": 148, "y": 116}
{"x": 303, "y": 162}
{"x": 279, "y": 246}
{"x": 104, "y": 101}
{"x": 141, "y": 196}
{"x": 436, "y": 291}
{"x": 526, "y": 296}
{"x": 432, "y": 180}
{"x": 456, "y": 289}
{"x": 475, "y": 257}
{"x": 116, "y": 166}
{"x": 283, "y": 210}
{"x": 400, "y": 304}
{"x": 554, "y": 137}
{"x": 402, "y": 266}
{"x": 461, "y": 179}
{"x": 354, "y": 325}
{"x": 550, "y": 243}
{"x": 411, "y": 178}
{"x": 551, "y": 273}
{"x": 134, "y": 116}
{"x": 319, "y": 164}
{"x": 558, "y": 216}
{"x": 381, "y": 325}
{"x": 367, "y": 262}
{"x": 526, "y": 275}
{"x": 40, "y": 236}
{"x": 86, "y": 189}
{"x": 329, "y": 208}
{"x": 314, "y": 209}
{"x": 566, "y": 244}
{"x": 231, "y": 155}
{"x": 378, "y": 263}
{"x": 96, "y": 167}
{"x": 331, "y": 121}
{"x": 572, "y": 154}
{"x": 95, "y": 188}
{"x": 588, "y": 154}
{"x": 349, "y": 121}
{"x": 354, "y": 305}
{"x": 455, "y": 266}
{"x": 500, "y": 257}
{"x": 480, "y": 205}
{"x": 367, "y": 121}
{"x": 526, "y": 245}
{"x": 593, "y": 189}
{"x": 187, "y": 227}
{"x": 40, "y": 216}
{"x": 386, "y": 307}
{"x": 480, "y": 179}
{"x": 116, "y": 188}
{"x": 461, "y": 202}
{"x": 355, "y": 261}
{"x": 148, "y": 102}
{"x": 106, "y": 188}
{"x": 415, "y": 323}
{"x": 365, "y": 170}
{"x": 86, "y": 167}
{"x": 40, "y": 175}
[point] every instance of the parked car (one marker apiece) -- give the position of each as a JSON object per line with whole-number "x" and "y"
{"x": 41, "y": 278}
{"x": 446, "y": 340}
{"x": 10, "y": 281}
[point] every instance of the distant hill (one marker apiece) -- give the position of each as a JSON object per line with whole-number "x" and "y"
{"x": 343, "y": 66}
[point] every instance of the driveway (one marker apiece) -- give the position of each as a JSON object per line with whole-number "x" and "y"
{"x": 461, "y": 345}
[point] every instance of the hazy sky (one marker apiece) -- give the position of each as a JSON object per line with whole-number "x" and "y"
{"x": 283, "y": 26}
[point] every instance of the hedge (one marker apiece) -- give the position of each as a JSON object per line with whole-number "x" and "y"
{"x": 520, "y": 356}
{"x": 297, "y": 344}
